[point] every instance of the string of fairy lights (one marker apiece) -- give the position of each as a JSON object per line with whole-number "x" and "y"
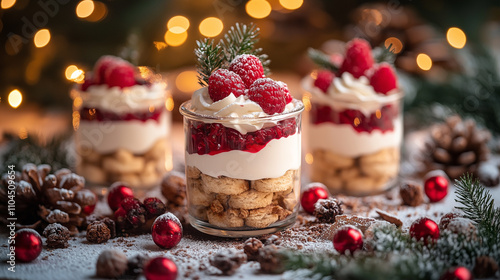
{"x": 179, "y": 27}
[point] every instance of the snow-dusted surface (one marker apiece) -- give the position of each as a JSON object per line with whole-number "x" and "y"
{"x": 193, "y": 252}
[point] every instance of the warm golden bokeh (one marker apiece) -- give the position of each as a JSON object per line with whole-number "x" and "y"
{"x": 456, "y": 37}
{"x": 211, "y": 27}
{"x": 424, "y": 61}
{"x": 42, "y": 38}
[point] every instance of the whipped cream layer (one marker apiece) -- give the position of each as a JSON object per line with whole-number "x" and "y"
{"x": 123, "y": 100}
{"x": 242, "y": 109}
{"x": 342, "y": 139}
{"x": 135, "y": 136}
{"x": 348, "y": 92}
{"x": 277, "y": 157}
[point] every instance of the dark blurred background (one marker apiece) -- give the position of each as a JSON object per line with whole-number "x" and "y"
{"x": 447, "y": 51}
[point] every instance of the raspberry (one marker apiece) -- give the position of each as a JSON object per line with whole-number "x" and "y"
{"x": 102, "y": 65}
{"x": 288, "y": 96}
{"x": 358, "y": 58}
{"x": 154, "y": 206}
{"x": 324, "y": 80}
{"x": 121, "y": 217}
{"x": 383, "y": 79}
{"x": 121, "y": 74}
{"x": 248, "y": 67}
{"x": 223, "y": 82}
{"x": 136, "y": 214}
{"x": 268, "y": 94}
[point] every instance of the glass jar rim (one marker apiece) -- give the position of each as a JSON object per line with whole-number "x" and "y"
{"x": 186, "y": 110}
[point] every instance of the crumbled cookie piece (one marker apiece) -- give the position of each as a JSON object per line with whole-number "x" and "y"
{"x": 411, "y": 194}
{"x": 271, "y": 260}
{"x": 111, "y": 264}
{"x": 228, "y": 260}
{"x": 251, "y": 248}
{"x": 111, "y": 226}
{"x": 57, "y": 235}
{"x": 98, "y": 232}
{"x": 326, "y": 210}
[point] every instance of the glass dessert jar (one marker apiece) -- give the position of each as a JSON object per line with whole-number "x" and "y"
{"x": 122, "y": 132}
{"x": 242, "y": 170}
{"x": 354, "y": 136}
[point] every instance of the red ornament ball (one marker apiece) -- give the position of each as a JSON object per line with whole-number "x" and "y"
{"x": 117, "y": 192}
{"x": 347, "y": 238}
{"x": 28, "y": 245}
{"x": 436, "y": 187}
{"x": 424, "y": 228}
{"x": 457, "y": 273}
{"x": 167, "y": 231}
{"x": 160, "y": 268}
{"x": 313, "y": 193}
{"x": 89, "y": 209}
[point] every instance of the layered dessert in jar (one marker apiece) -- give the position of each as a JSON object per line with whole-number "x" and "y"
{"x": 356, "y": 124}
{"x": 121, "y": 125}
{"x": 243, "y": 139}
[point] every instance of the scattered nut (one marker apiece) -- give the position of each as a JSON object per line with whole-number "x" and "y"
{"x": 111, "y": 264}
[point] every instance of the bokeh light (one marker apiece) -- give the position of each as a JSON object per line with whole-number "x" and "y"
{"x": 456, "y": 37}
{"x": 78, "y": 76}
{"x": 6, "y": 4}
{"x": 175, "y": 39}
{"x": 309, "y": 158}
{"x": 397, "y": 46}
{"x": 187, "y": 81}
{"x": 424, "y": 61}
{"x": 68, "y": 73}
{"x": 15, "y": 98}
{"x": 42, "y": 38}
{"x": 291, "y": 4}
{"x": 211, "y": 27}
{"x": 178, "y": 24}
{"x": 100, "y": 12}
{"x": 258, "y": 8}
{"x": 85, "y": 8}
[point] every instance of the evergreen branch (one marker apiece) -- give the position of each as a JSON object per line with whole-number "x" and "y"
{"x": 478, "y": 206}
{"x": 241, "y": 39}
{"x": 382, "y": 54}
{"x": 321, "y": 59}
{"x": 210, "y": 58}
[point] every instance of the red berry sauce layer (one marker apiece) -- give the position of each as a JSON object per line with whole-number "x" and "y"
{"x": 382, "y": 119}
{"x": 214, "y": 138}
{"x": 93, "y": 114}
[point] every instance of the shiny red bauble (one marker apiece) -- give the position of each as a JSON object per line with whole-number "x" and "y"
{"x": 166, "y": 231}
{"x": 117, "y": 192}
{"x": 348, "y": 238}
{"x": 89, "y": 209}
{"x": 313, "y": 193}
{"x": 160, "y": 268}
{"x": 457, "y": 273}
{"x": 424, "y": 228}
{"x": 28, "y": 245}
{"x": 436, "y": 187}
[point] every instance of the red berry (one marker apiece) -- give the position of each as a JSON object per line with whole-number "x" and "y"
{"x": 101, "y": 67}
{"x": 160, "y": 268}
{"x": 248, "y": 67}
{"x": 154, "y": 206}
{"x": 313, "y": 193}
{"x": 120, "y": 75}
{"x": 117, "y": 192}
{"x": 384, "y": 78}
{"x": 166, "y": 231}
{"x": 358, "y": 58}
{"x": 120, "y": 217}
{"x": 436, "y": 188}
{"x": 324, "y": 80}
{"x": 28, "y": 245}
{"x": 223, "y": 82}
{"x": 288, "y": 96}
{"x": 424, "y": 228}
{"x": 347, "y": 238}
{"x": 268, "y": 94}
{"x": 130, "y": 203}
{"x": 136, "y": 214}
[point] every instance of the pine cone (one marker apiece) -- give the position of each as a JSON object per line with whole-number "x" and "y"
{"x": 485, "y": 267}
{"x": 42, "y": 198}
{"x": 456, "y": 147}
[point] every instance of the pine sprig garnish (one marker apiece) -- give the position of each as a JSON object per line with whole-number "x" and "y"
{"x": 321, "y": 59}
{"x": 382, "y": 54}
{"x": 478, "y": 206}
{"x": 210, "y": 58}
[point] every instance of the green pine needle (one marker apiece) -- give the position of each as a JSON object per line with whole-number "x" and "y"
{"x": 478, "y": 206}
{"x": 210, "y": 58}
{"x": 382, "y": 54}
{"x": 322, "y": 60}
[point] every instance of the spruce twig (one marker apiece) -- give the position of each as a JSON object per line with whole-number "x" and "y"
{"x": 210, "y": 58}
{"x": 321, "y": 59}
{"x": 382, "y": 54}
{"x": 478, "y": 206}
